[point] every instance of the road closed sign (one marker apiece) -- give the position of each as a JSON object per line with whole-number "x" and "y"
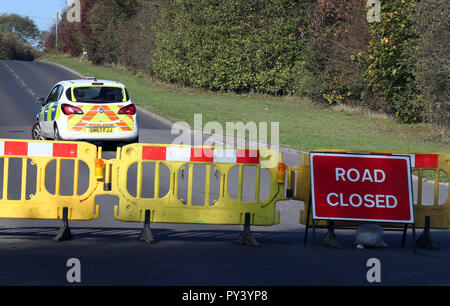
{"x": 361, "y": 187}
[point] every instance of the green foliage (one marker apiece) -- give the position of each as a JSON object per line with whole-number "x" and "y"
{"x": 390, "y": 71}
{"x": 324, "y": 49}
{"x": 12, "y": 48}
{"x": 22, "y": 27}
{"x": 338, "y": 35}
{"x": 303, "y": 124}
{"x": 432, "y": 56}
{"x": 137, "y": 36}
{"x": 333, "y": 97}
{"x": 17, "y": 36}
{"x": 230, "y": 45}
{"x": 106, "y": 18}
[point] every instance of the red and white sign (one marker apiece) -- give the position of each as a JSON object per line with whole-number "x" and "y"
{"x": 361, "y": 187}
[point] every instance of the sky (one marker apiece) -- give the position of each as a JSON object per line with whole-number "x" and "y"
{"x": 41, "y": 11}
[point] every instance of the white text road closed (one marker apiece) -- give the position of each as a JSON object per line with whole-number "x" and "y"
{"x": 361, "y": 187}
{"x": 367, "y": 200}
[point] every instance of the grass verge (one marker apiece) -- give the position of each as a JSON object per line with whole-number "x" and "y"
{"x": 303, "y": 124}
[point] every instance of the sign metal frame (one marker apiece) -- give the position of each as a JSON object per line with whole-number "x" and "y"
{"x": 331, "y": 220}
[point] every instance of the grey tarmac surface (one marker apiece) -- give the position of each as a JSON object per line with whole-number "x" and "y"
{"x": 187, "y": 255}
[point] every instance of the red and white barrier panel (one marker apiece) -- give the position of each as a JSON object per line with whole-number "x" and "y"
{"x": 422, "y": 160}
{"x": 38, "y": 149}
{"x": 417, "y": 160}
{"x": 210, "y": 155}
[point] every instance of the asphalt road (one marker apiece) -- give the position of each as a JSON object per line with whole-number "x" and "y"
{"x": 187, "y": 255}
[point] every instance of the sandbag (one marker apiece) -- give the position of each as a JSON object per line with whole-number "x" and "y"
{"x": 369, "y": 235}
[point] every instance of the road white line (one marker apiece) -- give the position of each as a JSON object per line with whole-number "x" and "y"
{"x": 20, "y": 80}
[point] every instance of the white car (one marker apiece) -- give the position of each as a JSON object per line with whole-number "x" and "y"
{"x": 87, "y": 110}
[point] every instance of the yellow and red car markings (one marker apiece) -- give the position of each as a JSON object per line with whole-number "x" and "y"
{"x": 111, "y": 115}
{"x": 86, "y": 118}
{"x": 79, "y": 122}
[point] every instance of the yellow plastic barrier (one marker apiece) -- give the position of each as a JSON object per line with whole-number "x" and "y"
{"x": 43, "y": 204}
{"x": 171, "y": 208}
{"x": 437, "y": 162}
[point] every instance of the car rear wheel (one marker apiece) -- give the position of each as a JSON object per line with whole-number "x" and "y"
{"x": 36, "y": 132}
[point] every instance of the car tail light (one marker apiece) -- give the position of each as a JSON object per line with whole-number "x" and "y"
{"x": 127, "y": 110}
{"x": 71, "y": 110}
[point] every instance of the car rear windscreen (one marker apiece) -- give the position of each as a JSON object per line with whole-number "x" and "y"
{"x": 97, "y": 94}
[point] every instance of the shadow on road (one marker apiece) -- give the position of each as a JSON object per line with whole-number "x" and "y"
{"x": 158, "y": 233}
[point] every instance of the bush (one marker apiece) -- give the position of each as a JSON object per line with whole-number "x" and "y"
{"x": 73, "y": 37}
{"x": 325, "y": 49}
{"x": 230, "y": 45}
{"x": 390, "y": 72}
{"x": 431, "y": 54}
{"x": 50, "y": 41}
{"x": 24, "y": 28}
{"x": 70, "y": 38}
{"x": 12, "y": 48}
{"x": 137, "y": 36}
{"x": 106, "y": 18}
{"x": 339, "y": 36}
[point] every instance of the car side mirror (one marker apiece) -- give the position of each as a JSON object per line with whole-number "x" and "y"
{"x": 41, "y": 101}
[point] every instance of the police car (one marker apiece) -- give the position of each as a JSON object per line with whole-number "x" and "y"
{"x": 87, "y": 110}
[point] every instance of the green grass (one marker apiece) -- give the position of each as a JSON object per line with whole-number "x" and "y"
{"x": 303, "y": 125}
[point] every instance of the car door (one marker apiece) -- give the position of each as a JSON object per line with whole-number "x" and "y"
{"x": 47, "y": 123}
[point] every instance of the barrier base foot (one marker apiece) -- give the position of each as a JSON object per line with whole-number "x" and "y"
{"x": 425, "y": 241}
{"x": 64, "y": 233}
{"x": 146, "y": 234}
{"x": 246, "y": 236}
{"x": 330, "y": 238}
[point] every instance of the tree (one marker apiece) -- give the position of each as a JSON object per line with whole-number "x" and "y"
{"x": 105, "y": 18}
{"x": 431, "y": 54}
{"x": 338, "y": 36}
{"x": 22, "y": 27}
{"x": 12, "y": 48}
{"x": 390, "y": 71}
{"x": 69, "y": 34}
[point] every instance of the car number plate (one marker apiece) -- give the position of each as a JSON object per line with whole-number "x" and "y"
{"x": 101, "y": 129}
